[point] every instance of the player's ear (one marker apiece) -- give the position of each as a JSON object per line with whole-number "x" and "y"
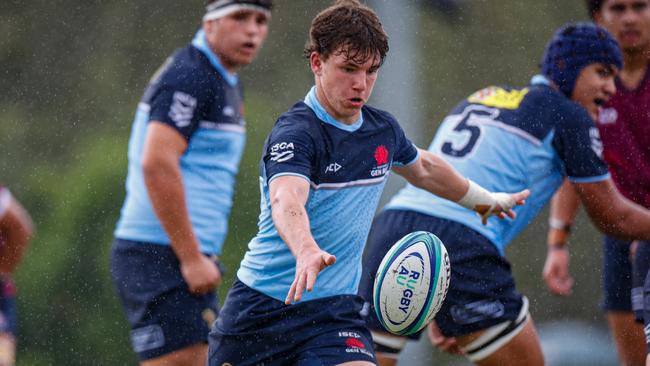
{"x": 316, "y": 63}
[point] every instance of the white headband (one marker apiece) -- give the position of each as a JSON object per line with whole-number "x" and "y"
{"x": 229, "y": 9}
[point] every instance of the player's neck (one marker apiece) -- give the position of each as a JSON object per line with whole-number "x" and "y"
{"x": 634, "y": 70}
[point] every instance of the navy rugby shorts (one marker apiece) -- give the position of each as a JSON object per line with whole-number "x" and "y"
{"x": 255, "y": 329}
{"x": 481, "y": 290}
{"x": 640, "y": 268}
{"x": 617, "y": 275}
{"x": 163, "y": 314}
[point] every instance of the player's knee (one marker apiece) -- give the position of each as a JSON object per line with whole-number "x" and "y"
{"x": 388, "y": 346}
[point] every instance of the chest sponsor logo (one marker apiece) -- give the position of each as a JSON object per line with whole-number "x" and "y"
{"x": 596, "y": 143}
{"x": 381, "y": 160}
{"x": 333, "y": 168}
{"x": 182, "y": 109}
{"x": 607, "y": 116}
{"x": 282, "y": 151}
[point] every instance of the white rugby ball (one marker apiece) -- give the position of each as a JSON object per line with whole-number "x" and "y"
{"x": 411, "y": 283}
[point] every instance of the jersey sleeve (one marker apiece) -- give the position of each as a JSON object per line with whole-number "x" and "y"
{"x": 5, "y": 200}
{"x": 405, "y": 151}
{"x": 181, "y": 100}
{"x": 289, "y": 150}
{"x": 578, "y": 144}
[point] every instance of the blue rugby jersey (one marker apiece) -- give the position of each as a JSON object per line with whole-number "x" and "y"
{"x": 196, "y": 96}
{"x": 347, "y": 167}
{"x": 508, "y": 139}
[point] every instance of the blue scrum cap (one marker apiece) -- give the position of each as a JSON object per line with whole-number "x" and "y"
{"x": 220, "y": 8}
{"x": 575, "y": 46}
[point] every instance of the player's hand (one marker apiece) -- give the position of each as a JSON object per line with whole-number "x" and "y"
{"x": 309, "y": 262}
{"x": 201, "y": 274}
{"x": 438, "y": 340}
{"x": 556, "y": 272}
{"x": 502, "y": 206}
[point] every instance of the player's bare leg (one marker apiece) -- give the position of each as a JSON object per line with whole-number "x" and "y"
{"x": 629, "y": 338}
{"x": 523, "y": 349}
{"x": 195, "y": 355}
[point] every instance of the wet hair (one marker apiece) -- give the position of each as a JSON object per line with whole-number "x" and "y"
{"x": 348, "y": 27}
{"x": 594, "y": 6}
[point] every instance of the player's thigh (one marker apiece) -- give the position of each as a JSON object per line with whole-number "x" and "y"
{"x": 628, "y": 336}
{"x": 195, "y": 355}
{"x": 523, "y": 349}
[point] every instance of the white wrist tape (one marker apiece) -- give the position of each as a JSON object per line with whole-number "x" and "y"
{"x": 485, "y": 202}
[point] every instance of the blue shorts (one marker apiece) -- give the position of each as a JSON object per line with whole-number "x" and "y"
{"x": 255, "y": 329}
{"x": 617, "y": 275}
{"x": 640, "y": 268}
{"x": 481, "y": 290}
{"x": 163, "y": 314}
{"x": 7, "y": 307}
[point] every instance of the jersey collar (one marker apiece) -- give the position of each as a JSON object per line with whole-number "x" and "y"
{"x": 540, "y": 79}
{"x": 201, "y": 44}
{"x": 312, "y": 101}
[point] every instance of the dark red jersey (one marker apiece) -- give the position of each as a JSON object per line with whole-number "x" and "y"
{"x": 624, "y": 125}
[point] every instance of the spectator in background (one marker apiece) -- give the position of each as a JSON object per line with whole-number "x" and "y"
{"x": 186, "y": 144}
{"x": 15, "y": 232}
{"x": 624, "y": 126}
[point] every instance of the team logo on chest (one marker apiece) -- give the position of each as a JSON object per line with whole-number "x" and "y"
{"x": 381, "y": 158}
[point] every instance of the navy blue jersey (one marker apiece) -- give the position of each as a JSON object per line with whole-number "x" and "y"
{"x": 346, "y": 166}
{"x": 508, "y": 139}
{"x": 196, "y": 96}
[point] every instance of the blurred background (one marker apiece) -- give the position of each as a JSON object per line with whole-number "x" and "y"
{"x": 72, "y": 74}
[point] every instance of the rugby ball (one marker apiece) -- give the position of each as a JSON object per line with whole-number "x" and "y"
{"x": 411, "y": 283}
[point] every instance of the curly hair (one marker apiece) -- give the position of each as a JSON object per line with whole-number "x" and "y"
{"x": 594, "y": 6}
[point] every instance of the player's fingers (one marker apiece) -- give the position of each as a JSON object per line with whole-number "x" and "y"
{"x": 292, "y": 291}
{"x": 311, "y": 280}
{"x": 520, "y": 196}
{"x": 300, "y": 286}
{"x": 328, "y": 259}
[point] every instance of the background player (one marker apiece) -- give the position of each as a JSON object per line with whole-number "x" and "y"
{"x": 322, "y": 172}
{"x": 501, "y": 136}
{"x": 624, "y": 125}
{"x": 184, "y": 152}
{"x": 15, "y": 232}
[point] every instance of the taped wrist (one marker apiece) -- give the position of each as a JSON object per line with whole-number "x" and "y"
{"x": 477, "y": 197}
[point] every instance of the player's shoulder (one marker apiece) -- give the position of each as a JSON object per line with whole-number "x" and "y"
{"x": 379, "y": 115}
{"x": 298, "y": 120}
{"x": 186, "y": 66}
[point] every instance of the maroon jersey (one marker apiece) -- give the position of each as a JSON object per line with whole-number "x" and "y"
{"x": 624, "y": 126}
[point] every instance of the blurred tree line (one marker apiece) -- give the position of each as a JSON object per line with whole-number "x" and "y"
{"x": 72, "y": 73}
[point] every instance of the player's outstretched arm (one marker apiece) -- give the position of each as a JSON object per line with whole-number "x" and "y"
{"x": 162, "y": 176}
{"x": 435, "y": 175}
{"x": 612, "y": 213}
{"x": 564, "y": 207}
{"x": 16, "y": 229}
{"x": 288, "y": 196}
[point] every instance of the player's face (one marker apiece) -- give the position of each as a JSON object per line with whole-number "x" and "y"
{"x": 343, "y": 85}
{"x": 594, "y": 86}
{"x": 628, "y": 21}
{"x": 237, "y": 37}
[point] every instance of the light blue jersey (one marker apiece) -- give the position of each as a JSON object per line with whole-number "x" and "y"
{"x": 196, "y": 96}
{"x": 508, "y": 140}
{"x": 346, "y": 166}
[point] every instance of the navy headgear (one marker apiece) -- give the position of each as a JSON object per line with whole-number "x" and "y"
{"x": 575, "y": 46}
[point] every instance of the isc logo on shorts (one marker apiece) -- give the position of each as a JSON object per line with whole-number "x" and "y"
{"x": 147, "y": 338}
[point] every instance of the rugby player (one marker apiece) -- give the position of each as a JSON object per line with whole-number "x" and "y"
{"x": 323, "y": 168}
{"x": 511, "y": 137}
{"x": 624, "y": 125}
{"x": 15, "y": 231}
{"x": 184, "y": 152}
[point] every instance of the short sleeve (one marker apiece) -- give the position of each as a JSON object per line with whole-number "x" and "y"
{"x": 289, "y": 150}
{"x": 579, "y": 146}
{"x": 405, "y": 153}
{"x": 181, "y": 100}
